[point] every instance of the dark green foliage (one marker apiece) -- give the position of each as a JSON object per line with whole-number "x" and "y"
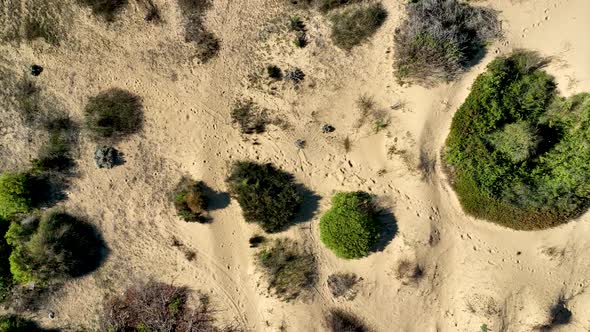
{"x": 274, "y": 72}
{"x": 107, "y": 9}
{"x": 190, "y": 200}
{"x": 440, "y": 38}
{"x": 290, "y": 270}
{"x": 12, "y": 323}
{"x": 267, "y": 195}
{"x": 114, "y": 114}
{"x": 156, "y": 306}
{"x": 249, "y": 117}
{"x": 338, "y": 320}
{"x": 5, "y": 250}
{"x": 15, "y": 194}
{"x": 350, "y": 228}
{"x": 59, "y": 246}
{"x": 517, "y": 154}
{"x": 356, "y": 24}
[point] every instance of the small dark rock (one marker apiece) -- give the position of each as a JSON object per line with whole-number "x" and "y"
{"x": 36, "y": 70}
{"x": 295, "y": 74}
{"x": 107, "y": 157}
{"x": 326, "y": 129}
{"x": 300, "y": 143}
{"x": 256, "y": 240}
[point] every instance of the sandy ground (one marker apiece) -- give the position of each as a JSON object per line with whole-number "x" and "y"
{"x": 474, "y": 272}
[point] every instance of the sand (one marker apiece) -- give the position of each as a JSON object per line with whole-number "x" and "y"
{"x": 474, "y": 272}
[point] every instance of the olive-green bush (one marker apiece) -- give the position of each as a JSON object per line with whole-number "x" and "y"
{"x": 355, "y": 25}
{"x": 350, "y": 228}
{"x": 518, "y": 154}
{"x": 57, "y": 247}
{"x": 190, "y": 200}
{"x": 15, "y": 194}
{"x": 114, "y": 114}
{"x": 267, "y": 195}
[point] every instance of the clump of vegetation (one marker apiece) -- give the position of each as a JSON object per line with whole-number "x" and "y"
{"x": 327, "y": 5}
{"x": 35, "y": 28}
{"x": 518, "y": 154}
{"x": 56, "y": 153}
{"x": 249, "y": 117}
{"x": 290, "y": 270}
{"x": 27, "y": 100}
{"x": 408, "y": 271}
{"x": 190, "y": 200}
{"x": 15, "y": 194}
{"x": 338, "y": 320}
{"x": 13, "y": 323}
{"x": 356, "y": 24}
{"x": 114, "y": 114}
{"x": 274, "y": 72}
{"x": 256, "y": 241}
{"x": 267, "y": 195}
{"x": 57, "y": 247}
{"x": 195, "y": 31}
{"x": 440, "y": 38}
{"x": 350, "y": 228}
{"x": 343, "y": 285}
{"x": 106, "y": 9}
{"x": 157, "y": 306}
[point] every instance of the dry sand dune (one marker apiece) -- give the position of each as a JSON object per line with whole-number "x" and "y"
{"x": 474, "y": 272}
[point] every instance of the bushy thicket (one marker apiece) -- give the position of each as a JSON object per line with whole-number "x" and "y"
{"x": 337, "y": 320}
{"x": 350, "y": 228}
{"x": 354, "y": 25}
{"x": 56, "y": 247}
{"x": 114, "y": 114}
{"x": 190, "y": 200}
{"x": 15, "y": 194}
{"x": 289, "y": 269}
{"x": 267, "y": 195}
{"x": 106, "y": 9}
{"x": 157, "y": 306}
{"x": 518, "y": 154}
{"x": 440, "y": 38}
{"x": 13, "y": 323}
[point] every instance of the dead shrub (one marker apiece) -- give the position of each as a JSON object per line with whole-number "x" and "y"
{"x": 408, "y": 271}
{"x": 249, "y": 117}
{"x": 337, "y": 320}
{"x": 343, "y": 285}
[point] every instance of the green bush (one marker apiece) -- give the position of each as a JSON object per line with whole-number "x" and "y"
{"x": 15, "y": 194}
{"x": 12, "y": 323}
{"x": 354, "y": 25}
{"x": 440, "y": 38}
{"x": 5, "y": 274}
{"x": 518, "y": 154}
{"x": 59, "y": 246}
{"x": 267, "y": 195}
{"x": 107, "y": 9}
{"x": 350, "y": 228}
{"x": 114, "y": 114}
{"x": 290, "y": 271}
{"x": 190, "y": 200}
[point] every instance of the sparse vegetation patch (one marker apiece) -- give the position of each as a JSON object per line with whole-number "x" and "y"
{"x": 106, "y": 9}
{"x": 343, "y": 285}
{"x": 356, "y": 24}
{"x": 440, "y": 38}
{"x": 350, "y": 228}
{"x": 195, "y": 32}
{"x": 337, "y": 320}
{"x": 114, "y": 114}
{"x": 290, "y": 270}
{"x": 249, "y": 117}
{"x": 518, "y": 154}
{"x": 266, "y": 194}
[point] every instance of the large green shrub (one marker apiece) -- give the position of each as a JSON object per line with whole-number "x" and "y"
{"x": 114, "y": 114}
{"x": 354, "y": 25}
{"x": 517, "y": 154}
{"x": 290, "y": 270}
{"x": 59, "y": 246}
{"x": 350, "y": 228}
{"x": 15, "y": 194}
{"x": 267, "y": 195}
{"x": 440, "y": 38}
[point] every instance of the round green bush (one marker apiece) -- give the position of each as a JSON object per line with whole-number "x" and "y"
{"x": 518, "y": 154}
{"x": 190, "y": 200}
{"x": 350, "y": 228}
{"x": 59, "y": 246}
{"x": 114, "y": 114}
{"x": 267, "y": 195}
{"x": 15, "y": 194}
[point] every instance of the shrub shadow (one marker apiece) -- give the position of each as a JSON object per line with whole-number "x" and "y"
{"x": 388, "y": 229}
{"x": 308, "y": 207}
{"x": 86, "y": 243}
{"x": 47, "y": 190}
{"x": 216, "y": 200}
